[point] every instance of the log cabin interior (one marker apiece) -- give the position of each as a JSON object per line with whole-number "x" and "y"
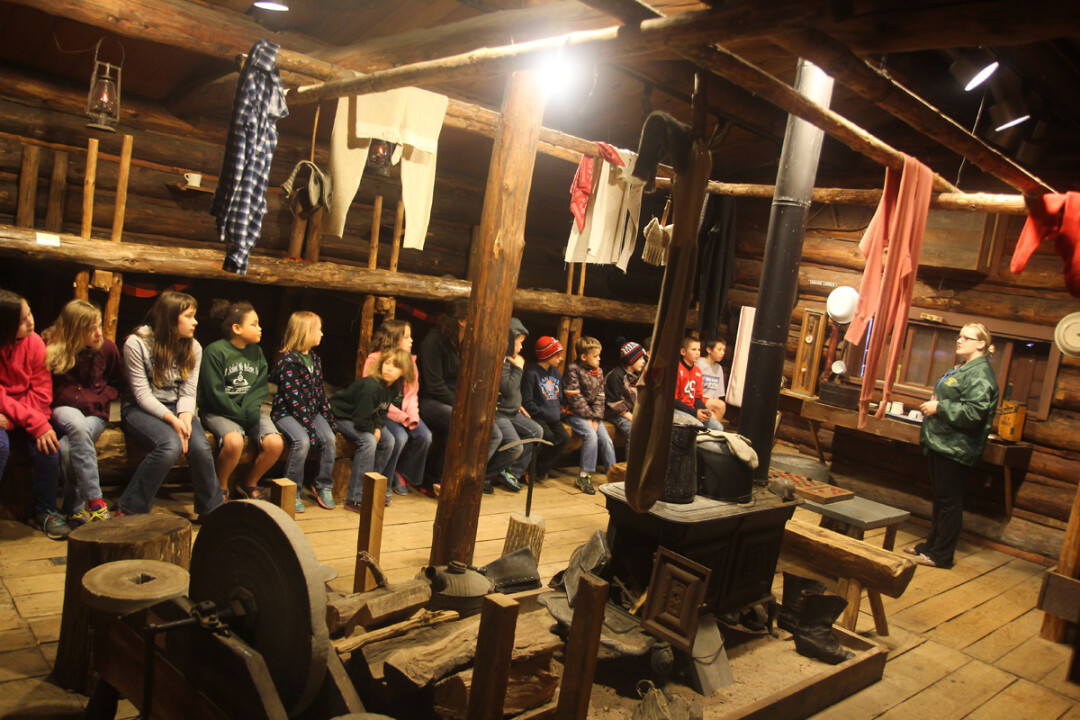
{"x": 120, "y": 214}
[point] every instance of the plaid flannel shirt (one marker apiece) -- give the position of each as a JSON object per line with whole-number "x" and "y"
{"x": 240, "y": 200}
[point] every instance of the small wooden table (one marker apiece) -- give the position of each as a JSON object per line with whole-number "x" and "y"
{"x": 996, "y": 454}
{"x": 856, "y": 516}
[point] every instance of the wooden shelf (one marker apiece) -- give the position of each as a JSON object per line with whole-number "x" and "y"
{"x": 192, "y": 188}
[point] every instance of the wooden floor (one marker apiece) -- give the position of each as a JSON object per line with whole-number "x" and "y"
{"x": 964, "y": 642}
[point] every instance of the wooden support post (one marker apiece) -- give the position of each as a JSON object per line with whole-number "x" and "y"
{"x": 54, "y": 215}
{"x": 28, "y": 178}
{"x": 525, "y": 532}
{"x": 563, "y": 332}
{"x": 112, "y": 307}
{"x": 296, "y": 238}
{"x": 395, "y": 253}
{"x": 1053, "y": 627}
{"x": 579, "y": 662}
{"x": 144, "y": 537}
{"x": 89, "y": 182}
{"x": 82, "y": 285}
{"x": 283, "y": 494}
{"x": 367, "y": 313}
{"x": 502, "y": 239}
{"x": 372, "y": 505}
{"x": 494, "y": 648}
{"x": 313, "y": 241}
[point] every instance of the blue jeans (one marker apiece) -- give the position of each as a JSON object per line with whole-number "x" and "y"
{"x": 437, "y": 416}
{"x": 622, "y": 425}
{"x": 556, "y": 434}
{"x": 165, "y": 450}
{"x": 502, "y": 432}
{"x": 369, "y": 455}
{"x": 592, "y": 441}
{"x": 296, "y": 437}
{"x": 78, "y": 456}
{"x": 712, "y": 423}
{"x": 46, "y": 468}
{"x": 412, "y": 459}
{"x": 525, "y": 428}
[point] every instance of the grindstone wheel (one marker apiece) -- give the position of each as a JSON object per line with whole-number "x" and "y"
{"x": 125, "y": 586}
{"x": 252, "y": 552}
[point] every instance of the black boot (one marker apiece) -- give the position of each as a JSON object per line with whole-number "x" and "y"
{"x": 794, "y": 585}
{"x": 814, "y": 636}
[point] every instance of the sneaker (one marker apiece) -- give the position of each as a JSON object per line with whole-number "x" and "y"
{"x": 508, "y": 481}
{"x": 401, "y": 487}
{"x": 584, "y": 484}
{"x": 53, "y": 525}
{"x": 102, "y": 513}
{"x": 431, "y": 491}
{"x": 325, "y": 497}
{"x": 300, "y": 506}
{"x": 489, "y": 489}
{"x": 388, "y": 496}
{"x": 353, "y": 506}
{"x": 79, "y": 518}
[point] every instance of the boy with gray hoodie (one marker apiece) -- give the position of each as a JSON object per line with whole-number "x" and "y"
{"x": 511, "y": 419}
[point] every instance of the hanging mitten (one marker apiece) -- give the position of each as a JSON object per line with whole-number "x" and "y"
{"x": 1055, "y": 217}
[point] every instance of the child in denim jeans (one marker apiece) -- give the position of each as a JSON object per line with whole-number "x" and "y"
{"x": 583, "y": 388}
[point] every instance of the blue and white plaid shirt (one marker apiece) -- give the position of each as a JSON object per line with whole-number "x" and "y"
{"x": 240, "y": 200}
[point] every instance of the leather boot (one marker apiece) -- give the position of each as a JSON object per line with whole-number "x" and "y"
{"x": 794, "y": 585}
{"x": 814, "y": 636}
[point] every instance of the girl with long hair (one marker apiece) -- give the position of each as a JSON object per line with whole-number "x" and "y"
{"x": 162, "y": 359}
{"x": 87, "y": 375}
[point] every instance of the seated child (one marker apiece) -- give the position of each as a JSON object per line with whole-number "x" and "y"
{"x": 511, "y": 418}
{"x": 712, "y": 375}
{"x": 584, "y": 392}
{"x": 361, "y": 410}
{"x": 688, "y": 399}
{"x": 541, "y": 397}
{"x": 232, "y": 387}
{"x": 87, "y": 376}
{"x": 25, "y": 394}
{"x": 620, "y": 387}
{"x": 301, "y": 410}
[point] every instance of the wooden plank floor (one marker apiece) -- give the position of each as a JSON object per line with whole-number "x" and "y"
{"x": 964, "y": 642}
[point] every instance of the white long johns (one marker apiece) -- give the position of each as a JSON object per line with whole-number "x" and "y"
{"x": 611, "y": 219}
{"x": 410, "y": 117}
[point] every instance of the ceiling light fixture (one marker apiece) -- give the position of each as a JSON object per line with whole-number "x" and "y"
{"x": 276, "y": 5}
{"x": 972, "y": 68}
{"x": 1009, "y": 113}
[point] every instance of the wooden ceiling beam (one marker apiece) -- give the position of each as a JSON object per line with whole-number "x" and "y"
{"x": 877, "y": 87}
{"x": 731, "y": 67}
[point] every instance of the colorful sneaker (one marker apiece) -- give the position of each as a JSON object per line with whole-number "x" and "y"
{"x": 508, "y": 481}
{"x": 388, "y": 496}
{"x": 401, "y": 487}
{"x": 584, "y": 484}
{"x": 53, "y": 525}
{"x": 79, "y": 518}
{"x": 102, "y": 513}
{"x": 300, "y": 506}
{"x": 353, "y": 506}
{"x": 325, "y": 497}
{"x": 432, "y": 491}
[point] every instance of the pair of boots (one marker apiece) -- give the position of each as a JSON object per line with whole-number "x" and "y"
{"x": 809, "y": 614}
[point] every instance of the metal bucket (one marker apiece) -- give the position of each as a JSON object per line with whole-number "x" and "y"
{"x": 680, "y": 485}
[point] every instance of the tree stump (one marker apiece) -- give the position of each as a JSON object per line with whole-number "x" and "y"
{"x": 147, "y": 537}
{"x": 525, "y": 532}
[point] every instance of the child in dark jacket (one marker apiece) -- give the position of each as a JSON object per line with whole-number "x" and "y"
{"x": 361, "y": 411}
{"x": 87, "y": 375}
{"x": 620, "y": 387}
{"x": 541, "y": 397}
{"x": 301, "y": 409}
{"x": 232, "y": 387}
{"x": 584, "y": 392}
{"x": 511, "y": 419}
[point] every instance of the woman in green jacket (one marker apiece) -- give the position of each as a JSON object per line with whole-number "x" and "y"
{"x": 957, "y": 422}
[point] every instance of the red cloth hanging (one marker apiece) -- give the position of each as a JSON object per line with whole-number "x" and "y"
{"x": 1052, "y": 217}
{"x": 895, "y": 234}
{"x": 580, "y": 189}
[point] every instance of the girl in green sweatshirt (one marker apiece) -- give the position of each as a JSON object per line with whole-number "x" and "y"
{"x": 232, "y": 387}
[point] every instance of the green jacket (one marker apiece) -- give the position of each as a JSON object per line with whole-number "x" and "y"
{"x": 967, "y": 397}
{"x": 233, "y": 382}
{"x": 365, "y": 403}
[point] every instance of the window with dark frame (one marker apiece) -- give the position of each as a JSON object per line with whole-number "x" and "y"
{"x": 1026, "y": 360}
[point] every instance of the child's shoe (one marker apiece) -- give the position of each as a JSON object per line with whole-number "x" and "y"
{"x": 508, "y": 481}
{"x": 584, "y": 484}
{"x": 53, "y": 525}
{"x": 325, "y": 497}
{"x": 401, "y": 487}
{"x": 299, "y": 505}
{"x": 352, "y": 506}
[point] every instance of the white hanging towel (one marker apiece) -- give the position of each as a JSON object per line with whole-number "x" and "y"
{"x": 410, "y": 117}
{"x": 611, "y": 217}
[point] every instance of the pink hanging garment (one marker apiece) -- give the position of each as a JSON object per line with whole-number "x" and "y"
{"x": 896, "y": 232}
{"x": 1055, "y": 217}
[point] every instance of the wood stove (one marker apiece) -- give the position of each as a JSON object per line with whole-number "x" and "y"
{"x": 739, "y": 543}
